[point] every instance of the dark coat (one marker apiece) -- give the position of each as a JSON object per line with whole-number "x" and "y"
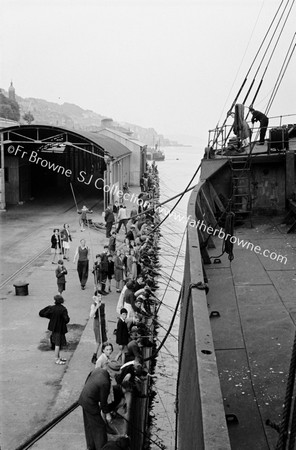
{"x": 112, "y": 243}
{"x": 110, "y": 269}
{"x": 65, "y": 235}
{"x": 60, "y": 274}
{"x": 259, "y": 116}
{"x": 109, "y": 216}
{"x": 130, "y": 235}
{"x": 95, "y": 391}
{"x": 97, "y": 271}
{"x": 122, "y": 335}
{"x": 133, "y": 350}
{"x": 58, "y": 318}
{"x": 55, "y": 241}
{"x": 104, "y": 263}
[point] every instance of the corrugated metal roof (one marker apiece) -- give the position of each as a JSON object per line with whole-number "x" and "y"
{"x": 111, "y": 146}
{"x": 125, "y": 136}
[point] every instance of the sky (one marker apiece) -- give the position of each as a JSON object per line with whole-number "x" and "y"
{"x": 172, "y": 65}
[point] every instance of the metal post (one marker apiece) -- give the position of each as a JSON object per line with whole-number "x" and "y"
{"x": 2, "y": 177}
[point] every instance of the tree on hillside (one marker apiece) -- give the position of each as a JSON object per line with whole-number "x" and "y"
{"x": 9, "y": 109}
{"x": 28, "y": 117}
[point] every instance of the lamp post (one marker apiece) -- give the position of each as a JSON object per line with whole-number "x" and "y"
{"x": 107, "y": 160}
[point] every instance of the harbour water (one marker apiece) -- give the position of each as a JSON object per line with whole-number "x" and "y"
{"x": 174, "y": 173}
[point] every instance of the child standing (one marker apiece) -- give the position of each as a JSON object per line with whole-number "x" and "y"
{"x": 122, "y": 335}
{"x": 112, "y": 243}
{"x": 107, "y": 349}
{"x": 97, "y": 271}
{"x": 110, "y": 271}
{"x": 60, "y": 272}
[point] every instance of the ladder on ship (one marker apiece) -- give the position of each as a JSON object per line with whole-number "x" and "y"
{"x": 241, "y": 197}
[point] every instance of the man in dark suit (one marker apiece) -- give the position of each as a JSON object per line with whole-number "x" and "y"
{"x": 109, "y": 219}
{"x": 94, "y": 400}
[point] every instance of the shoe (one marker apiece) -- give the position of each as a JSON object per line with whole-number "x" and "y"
{"x": 94, "y": 358}
{"x": 53, "y": 262}
{"x": 63, "y": 359}
{"x": 104, "y": 293}
{"x": 64, "y": 257}
{"x": 60, "y": 362}
{"x": 83, "y": 287}
{"x": 118, "y": 290}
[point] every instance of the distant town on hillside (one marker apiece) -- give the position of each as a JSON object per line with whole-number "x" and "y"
{"x": 68, "y": 115}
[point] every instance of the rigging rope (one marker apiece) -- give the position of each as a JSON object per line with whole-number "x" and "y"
{"x": 281, "y": 74}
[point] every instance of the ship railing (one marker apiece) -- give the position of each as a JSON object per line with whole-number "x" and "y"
{"x": 279, "y": 130}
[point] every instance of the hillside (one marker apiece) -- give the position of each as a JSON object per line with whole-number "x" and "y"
{"x": 72, "y": 116}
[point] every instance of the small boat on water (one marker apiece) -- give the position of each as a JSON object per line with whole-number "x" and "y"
{"x": 237, "y": 364}
{"x": 155, "y": 154}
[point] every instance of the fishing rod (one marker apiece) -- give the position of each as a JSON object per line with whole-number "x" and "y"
{"x": 176, "y": 204}
{"x": 74, "y": 196}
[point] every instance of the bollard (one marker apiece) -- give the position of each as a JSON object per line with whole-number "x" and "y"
{"x": 21, "y": 288}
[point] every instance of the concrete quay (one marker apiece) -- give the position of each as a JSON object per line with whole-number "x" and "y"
{"x": 34, "y": 389}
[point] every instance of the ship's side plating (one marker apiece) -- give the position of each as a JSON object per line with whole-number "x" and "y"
{"x": 201, "y": 422}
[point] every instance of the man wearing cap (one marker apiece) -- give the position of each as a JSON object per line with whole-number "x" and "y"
{"x": 94, "y": 400}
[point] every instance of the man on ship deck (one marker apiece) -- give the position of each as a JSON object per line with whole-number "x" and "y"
{"x": 258, "y": 116}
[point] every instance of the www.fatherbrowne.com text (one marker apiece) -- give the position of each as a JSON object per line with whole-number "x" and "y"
{"x": 99, "y": 184}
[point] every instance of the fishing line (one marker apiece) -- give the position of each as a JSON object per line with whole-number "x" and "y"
{"x": 165, "y": 409}
{"x": 169, "y": 329}
{"x": 175, "y": 358}
{"x": 165, "y": 329}
{"x": 161, "y": 446}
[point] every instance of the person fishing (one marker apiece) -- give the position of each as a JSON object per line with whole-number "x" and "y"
{"x": 258, "y": 116}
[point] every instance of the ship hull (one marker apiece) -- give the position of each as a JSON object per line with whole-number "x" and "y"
{"x": 235, "y": 340}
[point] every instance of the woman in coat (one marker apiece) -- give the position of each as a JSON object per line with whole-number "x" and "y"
{"x": 58, "y": 319}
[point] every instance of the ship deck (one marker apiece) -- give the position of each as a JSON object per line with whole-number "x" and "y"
{"x": 254, "y": 331}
